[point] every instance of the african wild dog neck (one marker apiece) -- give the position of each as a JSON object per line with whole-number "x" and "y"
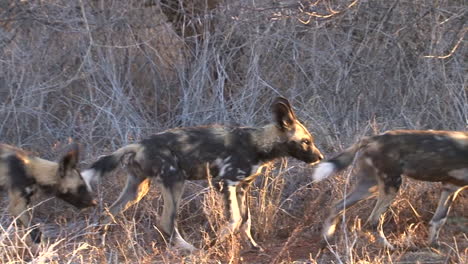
{"x": 269, "y": 143}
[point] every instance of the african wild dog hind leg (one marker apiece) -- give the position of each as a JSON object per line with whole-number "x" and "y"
{"x": 388, "y": 189}
{"x": 172, "y": 193}
{"x": 365, "y": 187}
{"x": 447, "y": 197}
{"x": 389, "y": 184}
{"x": 135, "y": 189}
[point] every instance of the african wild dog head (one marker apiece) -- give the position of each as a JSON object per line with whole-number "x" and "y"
{"x": 71, "y": 187}
{"x": 297, "y": 141}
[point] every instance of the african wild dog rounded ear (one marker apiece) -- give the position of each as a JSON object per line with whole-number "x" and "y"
{"x": 283, "y": 113}
{"x": 70, "y": 159}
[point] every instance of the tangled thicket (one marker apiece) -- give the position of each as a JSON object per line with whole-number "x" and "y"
{"x": 108, "y": 72}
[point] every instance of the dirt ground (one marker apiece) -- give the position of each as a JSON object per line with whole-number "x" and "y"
{"x": 306, "y": 248}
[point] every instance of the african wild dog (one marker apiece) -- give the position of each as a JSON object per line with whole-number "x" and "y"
{"x": 23, "y": 175}
{"x": 433, "y": 156}
{"x": 231, "y": 155}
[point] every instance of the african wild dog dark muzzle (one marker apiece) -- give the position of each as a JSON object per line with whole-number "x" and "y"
{"x": 433, "y": 156}
{"x": 81, "y": 199}
{"x": 231, "y": 155}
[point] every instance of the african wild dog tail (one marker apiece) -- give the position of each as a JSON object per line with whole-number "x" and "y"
{"x": 106, "y": 164}
{"x": 340, "y": 161}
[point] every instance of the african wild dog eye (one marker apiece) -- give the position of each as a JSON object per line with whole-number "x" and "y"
{"x": 306, "y": 141}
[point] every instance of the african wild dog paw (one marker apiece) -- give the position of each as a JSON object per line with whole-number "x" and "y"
{"x": 323, "y": 244}
{"x": 253, "y": 249}
{"x": 257, "y": 248}
{"x": 103, "y": 228}
{"x": 384, "y": 242}
{"x": 435, "y": 244}
{"x": 185, "y": 250}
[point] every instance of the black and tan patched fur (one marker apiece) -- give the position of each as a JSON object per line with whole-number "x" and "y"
{"x": 22, "y": 175}
{"x": 433, "y": 156}
{"x": 232, "y": 155}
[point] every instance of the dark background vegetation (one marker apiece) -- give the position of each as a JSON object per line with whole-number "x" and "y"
{"x": 109, "y": 72}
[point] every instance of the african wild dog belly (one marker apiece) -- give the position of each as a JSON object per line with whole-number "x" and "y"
{"x": 228, "y": 167}
{"x": 436, "y": 167}
{"x": 453, "y": 177}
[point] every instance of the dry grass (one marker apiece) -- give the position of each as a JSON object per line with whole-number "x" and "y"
{"x": 107, "y": 73}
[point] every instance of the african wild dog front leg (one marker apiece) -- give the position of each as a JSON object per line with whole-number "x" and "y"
{"x": 238, "y": 212}
{"x": 244, "y": 210}
{"x": 18, "y": 205}
{"x": 233, "y": 212}
{"x": 232, "y": 205}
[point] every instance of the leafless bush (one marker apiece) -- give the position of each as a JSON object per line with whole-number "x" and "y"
{"x": 106, "y": 73}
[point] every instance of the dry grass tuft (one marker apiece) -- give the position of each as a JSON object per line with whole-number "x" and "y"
{"x": 107, "y": 73}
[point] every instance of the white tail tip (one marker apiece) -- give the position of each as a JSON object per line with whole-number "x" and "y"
{"x": 89, "y": 176}
{"x": 323, "y": 170}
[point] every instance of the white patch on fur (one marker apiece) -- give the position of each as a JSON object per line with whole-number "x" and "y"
{"x": 223, "y": 165}
{"x": 29, "y": 190}
{"x": 460, "y": 174}
{"x": 232, "y": 183}
{"x": 234, "y": 206}
{"x": 225, "y": 168}
{"x": 240, "y": 177}
{"x": 323, "y": 170}
{"x": 89, "y": 177}
{"x": 182, "y": 244}
{"x": 240, "y": 174}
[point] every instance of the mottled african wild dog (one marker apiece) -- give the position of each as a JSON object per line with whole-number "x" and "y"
{"x": 23, "y": 175}
{"x": 231, "y": 155}
{"x": 433, "y": 156}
